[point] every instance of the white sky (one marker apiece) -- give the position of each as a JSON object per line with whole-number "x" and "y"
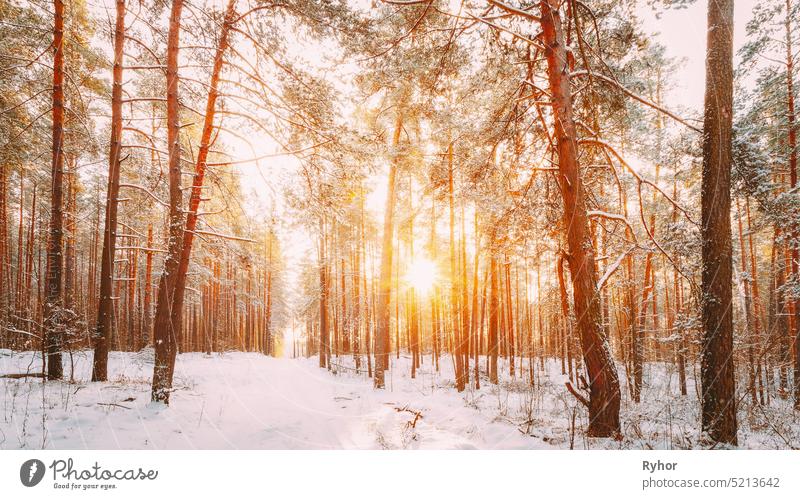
{"x": 683, "y": 33}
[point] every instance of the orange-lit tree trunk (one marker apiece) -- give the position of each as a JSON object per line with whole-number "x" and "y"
{"x": 778, "y": 313}
{"x": 133, "y": 274}
{"x": 510, "y": 319}
{"x": 435, "y": 323}
{"x": 165, "y": 337}
{"x": 368, "y": 297}
{"x": 5, "y": 282}
{"x": 678, "y": 292}
{"x": 492, "y": 347}
{"x": 70, "y": 250}
{"x": 385, "y": 279}
{"x": 792, "y": 147}
{"x": 148, "y": 291}
{"x": 105, "y": 307}
{"x": 20, "y": 277}
{"x": 268, "y": 343}
{"x": 413, "y": 326}
{"x": 760, "y": 375}
{"x": 199, "y": 173}
{"x": 748, "y": 318}
{"x": 454, "y": 279}
{"x": 466, "y": 334}
{"x": 640, "y": 321}
{"x": 604, "y": 394}
{"x": 324, "y": 334}
{"x": 565, "y": 332}
{"x": 476, "y": 339}
{"x": 357, "y": 309}
{"x": 55, "y": 257}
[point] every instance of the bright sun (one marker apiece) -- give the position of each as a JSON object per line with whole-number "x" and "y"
{"x": 421, "y": 275}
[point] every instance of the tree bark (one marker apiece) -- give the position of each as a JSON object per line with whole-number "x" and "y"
{"x": 716, "y": 366}
{"x": 385, "y": 279}
{"x": 792, "y": 145}
{"x": 604, "y": 399}
{"x": 454, "y": 279}
{"x": 324, "y": 334}
{"x": 105, "y": 307}
{"x": 148, "y": 291}
{"x": 55, "y": 257}
{"x": 677, "y": 291}
{"x": 164, "y": 335}
{"x": 199, "y": 174}
{"x": 268, "y": 348}
{"x": 5, "y": 282}
{"x": 476, "y": 343}
{"x": 494, "y": 293}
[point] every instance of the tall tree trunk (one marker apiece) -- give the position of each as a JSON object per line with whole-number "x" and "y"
{"x": 604, "y": 394}
{"x": 454, "y": 278}
{"x": 71, "y": 227}
{"x": 779, "y": 312}
{"x": 5, "y": 283}
{"x": 148, "y": 291}
{"x": 677, "y": 291}
{"x": 385, "y": 279}
{"x": 356, "y": 287}
{"x": 748, "y": 318}
{"x": 760, "y": 377}
{"x": 133, "y": 271}
{"x": 324, "y": 334}
{"x": 199, "y": 175}
{"x": 105, "y": 307}
{"x": 494, "y": 295}
{"x": 55, "y": 257}
{"x": 435, "y": 324}
{"x": 792, "y": 145}
{"x": 510, "y": 319}
{"x": 466, "y": 331}
{"x": 164, "y": 335}
{"x": 476, "y": 341}
{"x": 20, "y": 278}
{"x": 268, "y": 348}
{"x": 716, "y": 368}
{"x": 363, "y": 257}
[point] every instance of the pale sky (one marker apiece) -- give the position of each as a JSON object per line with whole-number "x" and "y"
{"x": 683, "y": 33}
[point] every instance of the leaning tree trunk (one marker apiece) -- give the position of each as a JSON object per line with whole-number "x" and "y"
{"x": 716, "y": 367}
{"x": 164, "y": 336}
{"x": 199, "y": 172}
{"x": 604, "y": 394}
{"x": 105, "y": 308}
{"x": 55, "y": 257}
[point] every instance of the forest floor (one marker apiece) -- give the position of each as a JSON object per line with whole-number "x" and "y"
{"x": 248, "y": 401}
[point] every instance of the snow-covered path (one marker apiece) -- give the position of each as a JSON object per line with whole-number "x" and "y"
{"x": 248, "y": 401}
{"x": 241, "y": 400}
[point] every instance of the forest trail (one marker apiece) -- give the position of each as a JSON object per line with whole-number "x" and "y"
{"x": 246, "y": 401}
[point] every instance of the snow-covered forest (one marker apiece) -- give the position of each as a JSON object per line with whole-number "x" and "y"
{"x": 399, "y": 224}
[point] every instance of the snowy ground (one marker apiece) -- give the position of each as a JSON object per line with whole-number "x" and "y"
{"x": 248, "y": 401}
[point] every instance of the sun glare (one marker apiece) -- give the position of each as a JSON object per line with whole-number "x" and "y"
{"x": 421, "y": 275}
